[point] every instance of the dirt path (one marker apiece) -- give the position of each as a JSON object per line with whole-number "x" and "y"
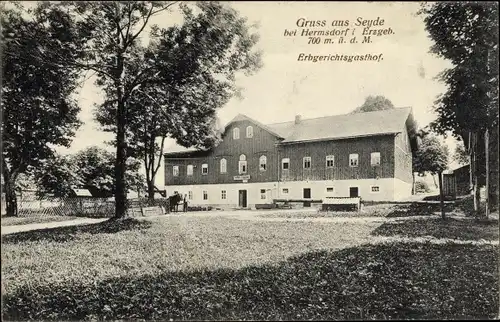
{"x": 20, "y": 228}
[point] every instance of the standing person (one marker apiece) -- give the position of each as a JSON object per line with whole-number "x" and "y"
{"x": 185, "y": 203}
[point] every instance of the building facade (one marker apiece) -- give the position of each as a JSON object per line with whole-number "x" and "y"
{"x": 366, "y": 154}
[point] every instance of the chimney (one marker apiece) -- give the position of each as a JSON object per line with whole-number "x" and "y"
{"x": 297, "y": 119}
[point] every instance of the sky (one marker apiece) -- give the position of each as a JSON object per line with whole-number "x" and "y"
{"x": 285, "y": 87}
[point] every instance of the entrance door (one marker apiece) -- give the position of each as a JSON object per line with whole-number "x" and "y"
{"x": 307, "y": 195}
{"x": 353, "y": 192}
{"x": 242, "y": 199}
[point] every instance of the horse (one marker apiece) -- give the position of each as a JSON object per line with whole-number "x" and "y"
{"x": 173, "y": 202}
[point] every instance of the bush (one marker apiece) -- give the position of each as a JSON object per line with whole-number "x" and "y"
{"x": 422, "y": 187}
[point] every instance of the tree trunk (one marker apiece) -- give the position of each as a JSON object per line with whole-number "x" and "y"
{"x": 10, "y": 198}
{"x": 441, "y": 197}
{"x": 121, "y": 164}
{"x": 474, "y": 171}
{"x": 151, "y": 190}
{"x": 413, "y": 184}
{"x": 121, "y": 123}
{"x": 487, "y": 186}
{"x": 434, "y": 179}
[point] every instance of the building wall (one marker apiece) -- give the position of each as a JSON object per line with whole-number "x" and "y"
{"x": 340, "y": 149}
{"x": 392, "y": 176}
{"x": 402, "y": 189}
{"x": 262, "y": 143}
{"x": 403, "y": 157}
{"x": 274, "y": 190}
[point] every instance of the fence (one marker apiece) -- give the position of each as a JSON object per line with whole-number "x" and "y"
{"x": 78, "y": 207}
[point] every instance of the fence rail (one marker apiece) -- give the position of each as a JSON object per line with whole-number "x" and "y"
{"x": 78, "y": 207}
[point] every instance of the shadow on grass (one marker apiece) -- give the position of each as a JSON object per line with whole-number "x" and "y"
{"x": 387, "y": 281}
{"x": 417, "y": 209}
{"x": 64, "y": 234}
{"x": 462, "y": 229}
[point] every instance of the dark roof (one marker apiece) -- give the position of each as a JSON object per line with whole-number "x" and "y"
{"x": 188, "y": 153}
{"x": 344, "y": 126}
{"x": 333, "y": 127}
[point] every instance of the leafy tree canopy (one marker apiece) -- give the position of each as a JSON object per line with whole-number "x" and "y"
{"x": 374, "y": 103}
{"x": 431, "y": 157}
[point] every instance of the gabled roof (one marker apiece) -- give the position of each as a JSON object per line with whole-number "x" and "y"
{"x": 242, "y": 117}
{"x": 344, "y": 126}
{"x": 334, "y": 127}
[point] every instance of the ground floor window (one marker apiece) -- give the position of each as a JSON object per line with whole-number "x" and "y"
{"x": 285, "y": 191}
{"x": 190, "y": 195}
{"x": 329, "y": 189}
{"x": 223, "y": 194}
{"x": 205, "y": 195}
{"x": 263, "y": 194}
{"x": 375, "y": 189}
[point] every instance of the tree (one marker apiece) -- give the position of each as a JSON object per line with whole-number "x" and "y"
{"x": 38, "y": 111}
{"x": 467, "y": 35}
{"x": 57, "y": 176}
{"x": 374, "y": 103}
{"x": 113, "y": 50}
{"x": 91, "y": 168}
{"x": 195, "y": 66}
{"x": 461, "y": 156}
{"x": 432, "y": 157}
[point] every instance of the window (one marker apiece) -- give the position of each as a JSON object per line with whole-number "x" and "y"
{"x": 375, "y": 189}
{"x": 223, "y": 166}
{"x": 190, "y": 195}
{"x": 204, "y": 169}
{"x": 205, "y": 195}
{"x": 175, "y": 170}
{"x": 189, "y": 170}
{"x": 249, "y": 132}
{"x": 223, "y": 195}
{"x": 263, "y": 194}
{"x": 353, "y": 160}
{"x": 375, "y": 158}
{"x": 285, "y": 191}
{"x": 329, "y": 189}
{"x": 330, "y": 161}
{"x": 242, "y": 164}
{"x": 263, "y": 163}
{"x": 236, "y": 133}
{"x": 285, "y": 164}
{"x": 307, "y": 162}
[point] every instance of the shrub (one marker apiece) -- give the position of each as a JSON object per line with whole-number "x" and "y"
{"x": 422, "y": 187}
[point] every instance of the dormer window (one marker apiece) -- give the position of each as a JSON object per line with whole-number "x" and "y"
{"x": 249, "y": 132}
{"x": 236, "y": 133}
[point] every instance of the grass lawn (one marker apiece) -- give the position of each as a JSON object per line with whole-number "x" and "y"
{"x": 388, "y": 210}
{"x": 463, "y": 229}
{"x": 225, "y": 269}
{"x": 12, "y": 221}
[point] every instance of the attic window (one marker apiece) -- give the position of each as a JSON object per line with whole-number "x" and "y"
{"x": 236, "y": 133}
{"x": 249, "y": 132}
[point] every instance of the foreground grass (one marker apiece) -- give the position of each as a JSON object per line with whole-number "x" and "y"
{"x": 12, "y": 221}
{"x": 222, "y": 269}
{"x": 462, "y": 229}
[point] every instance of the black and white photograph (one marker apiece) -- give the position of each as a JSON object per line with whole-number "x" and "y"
{"x": 249, "y": 160}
